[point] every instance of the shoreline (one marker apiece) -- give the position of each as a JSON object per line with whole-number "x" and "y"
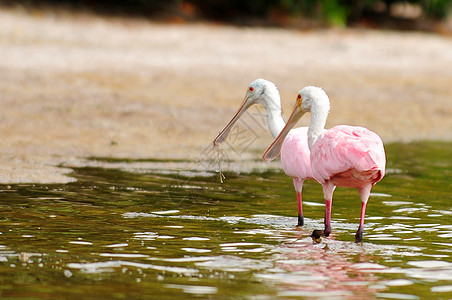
{"x": 84, "y": 86}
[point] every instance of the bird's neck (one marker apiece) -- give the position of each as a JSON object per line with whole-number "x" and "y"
{"x": 272, "y": 104}
{"x": 317, "y": 125}
{"x": 275, "y": 122}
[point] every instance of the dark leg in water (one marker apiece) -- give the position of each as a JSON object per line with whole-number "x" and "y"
{"x": 298, "y": 184}
{"x": 328, "y": 189}
{"x": 364, "y": 195}
{"x": 300, "y": 210}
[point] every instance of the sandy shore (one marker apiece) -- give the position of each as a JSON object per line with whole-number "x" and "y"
{"x": 77, "y": 86}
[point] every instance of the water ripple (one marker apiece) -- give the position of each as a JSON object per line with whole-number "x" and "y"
{"x": 108, "y": 266}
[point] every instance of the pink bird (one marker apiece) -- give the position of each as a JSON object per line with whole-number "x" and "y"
{"x": 346, "y": 156}
{"x": 295, "y": 154}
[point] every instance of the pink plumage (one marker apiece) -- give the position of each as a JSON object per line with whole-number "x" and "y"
{"x": 295, "y": 154}
{"x": 348, "y": 150}
{"x": 345, "y": 156}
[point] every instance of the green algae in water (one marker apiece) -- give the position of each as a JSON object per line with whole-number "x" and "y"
{"x": 116, "y": 234}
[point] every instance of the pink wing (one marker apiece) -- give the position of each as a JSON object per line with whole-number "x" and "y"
{"x": 344, "y": 148}
{"x": 295, "y": 154}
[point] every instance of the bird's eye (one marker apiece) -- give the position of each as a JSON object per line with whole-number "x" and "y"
{"x": 251, "y": 89}
{"x": 299, "y": 100}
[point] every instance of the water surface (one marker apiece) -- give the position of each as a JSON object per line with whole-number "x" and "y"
{"x": 121, "y": 235}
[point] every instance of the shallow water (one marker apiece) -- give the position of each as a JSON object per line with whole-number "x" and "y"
{"x": 118, "y": 234}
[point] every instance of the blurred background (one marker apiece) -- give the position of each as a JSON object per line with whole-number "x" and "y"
{"x": 146, "y": 79}
{"x": 400, "y": 14}
{"x": 107, "y": 171}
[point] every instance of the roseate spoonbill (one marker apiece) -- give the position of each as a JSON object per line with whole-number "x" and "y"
{"x": 346, "y": 156}
{"x": 295, "y": 152}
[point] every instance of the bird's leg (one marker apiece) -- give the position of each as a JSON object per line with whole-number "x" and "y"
{"x": 364, "y": 195}
{"x": 359, "y": 233}
{"x": 298, "y": 184}
{"x": 328, "y": 189}
{"x": 328, "y": 204}
{"x": 300, "y": 209}
{"x": 317, "y": 234}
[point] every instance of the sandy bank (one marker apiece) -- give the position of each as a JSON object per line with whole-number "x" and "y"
{"x": 80, "y": 86}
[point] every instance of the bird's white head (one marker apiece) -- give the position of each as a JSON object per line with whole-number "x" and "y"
{"x": 260, "y": 91}
{"x": 263, "y": 92}
{"x": 310, "y": 99}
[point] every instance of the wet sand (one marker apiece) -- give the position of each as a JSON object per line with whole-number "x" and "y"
{"x": 77, "y": 86}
